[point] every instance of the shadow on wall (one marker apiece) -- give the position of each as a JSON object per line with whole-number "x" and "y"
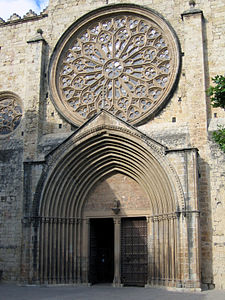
{"x": 205, "y": 226}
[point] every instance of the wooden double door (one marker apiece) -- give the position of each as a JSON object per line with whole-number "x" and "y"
{"x": 133, "y": 263}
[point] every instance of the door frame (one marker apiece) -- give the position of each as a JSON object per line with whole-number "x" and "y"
{"x": 117, "y": 282}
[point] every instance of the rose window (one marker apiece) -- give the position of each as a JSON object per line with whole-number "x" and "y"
{"x": 124, "y": 62}
{"x": 10, "y": 113}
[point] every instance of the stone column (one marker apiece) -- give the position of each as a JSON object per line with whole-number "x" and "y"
{"x": 150, "y": 241}
{"x": 195, "y": 75}
{"x": 195, "y": 275}
{"x": 85, "y": 250}
{"x": 192, "y": 219}
{"x": 34, "y": 95}
{"x": 34, "y": 98}
{"x": 117, "y": 249}
{"x": 193, "y": 241}
{"x": 78, "y": 250}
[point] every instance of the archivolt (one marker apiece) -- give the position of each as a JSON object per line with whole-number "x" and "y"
{"x": 94, "y": 156}
{"x": 71, "y": 172}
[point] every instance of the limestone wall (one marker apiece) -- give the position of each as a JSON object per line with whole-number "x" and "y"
{"x": 11, "y": 191}
{"x": 183, "y": 122}
{"x": 119, "y": 187}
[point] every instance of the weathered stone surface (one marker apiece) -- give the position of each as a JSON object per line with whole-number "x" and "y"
{"x": 186, "y": 121}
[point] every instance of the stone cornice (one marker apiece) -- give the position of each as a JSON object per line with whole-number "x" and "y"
{"x": 190, "y": 12}
{"x": 24, "y": 20}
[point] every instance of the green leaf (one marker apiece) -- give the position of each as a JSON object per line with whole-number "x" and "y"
{"x": 217, "y": 92}
{"x": 219, "y": 137}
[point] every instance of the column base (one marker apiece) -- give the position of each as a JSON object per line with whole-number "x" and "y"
{"x": 117, "y": 284}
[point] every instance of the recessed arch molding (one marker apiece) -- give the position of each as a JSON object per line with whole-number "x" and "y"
{"x": 70, "y": 174}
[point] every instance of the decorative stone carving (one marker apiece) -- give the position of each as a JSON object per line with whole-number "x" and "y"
{"x": 125, "y": 62}
{"x": 192, "y": 3}
{"x": 30, "y": 13}
{"x": 37, "y": 37}
{"x": 44, "y": 11}
{"x": 14, "y": 17}
{"x": 10, "y": 112}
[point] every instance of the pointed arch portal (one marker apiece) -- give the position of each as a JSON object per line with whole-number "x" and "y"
{"x": 71, "y": 206}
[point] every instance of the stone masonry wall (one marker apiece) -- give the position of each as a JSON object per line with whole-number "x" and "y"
{"x": 217, "y": 184}
{"x": 11, "y": 178}
{"x": 182, "y": 123}
{"x": 117, "y": 187}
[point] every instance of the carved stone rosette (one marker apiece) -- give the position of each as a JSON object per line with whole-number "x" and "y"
{"x": 10, "y": 112}
{"x": 124, "y": 59}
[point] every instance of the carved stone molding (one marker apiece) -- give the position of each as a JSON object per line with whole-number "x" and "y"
{"x": 11, "y": 112}
{"x": 122, "y": 58}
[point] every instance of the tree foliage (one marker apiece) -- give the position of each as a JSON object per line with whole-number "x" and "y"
{"x": 217, "y": 97}
{"x": 219, "y": 137}
{"x": 217, "y": 92}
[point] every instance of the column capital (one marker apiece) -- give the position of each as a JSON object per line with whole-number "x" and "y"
{"x": 191, "y": 12}
{"x": 87, "y": 221}
{"x": 37, "y": 38}
{"x": 117, "y": 220}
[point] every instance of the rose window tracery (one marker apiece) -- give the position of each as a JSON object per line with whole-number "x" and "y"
{"x": 10, "y": 113}
{"x": 124, "y": 63}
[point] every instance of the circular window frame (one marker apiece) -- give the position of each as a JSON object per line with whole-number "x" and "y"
{"x": 10, "y": 95}
{"x": 97, "y": 14}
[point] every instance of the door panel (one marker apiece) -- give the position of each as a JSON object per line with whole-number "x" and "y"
{"x": 134, "y": 254}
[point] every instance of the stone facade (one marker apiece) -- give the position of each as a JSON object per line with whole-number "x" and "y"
{"x": 178, "y": 137}
{"x": 119, "y": 187}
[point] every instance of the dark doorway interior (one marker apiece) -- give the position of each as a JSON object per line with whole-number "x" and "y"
{"x": 101, "y": 268}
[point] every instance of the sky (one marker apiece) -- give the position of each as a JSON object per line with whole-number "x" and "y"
{"x": 20, "y": 7}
